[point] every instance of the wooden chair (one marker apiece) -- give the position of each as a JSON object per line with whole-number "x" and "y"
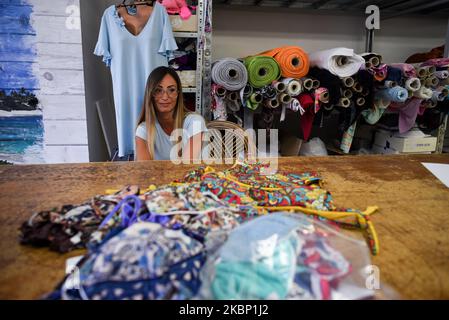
{"x": 228, "y": 140}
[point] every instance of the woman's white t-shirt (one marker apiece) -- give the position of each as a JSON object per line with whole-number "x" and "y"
{"x": 193, "y": 124}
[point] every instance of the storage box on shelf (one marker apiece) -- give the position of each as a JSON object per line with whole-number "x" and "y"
{"x": 413, "y": 142}
{"x": 180, "y": 25}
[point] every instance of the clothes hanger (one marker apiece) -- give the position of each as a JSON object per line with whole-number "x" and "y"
{"x": 134, "y": 3}
{"x": 131, "y": 8}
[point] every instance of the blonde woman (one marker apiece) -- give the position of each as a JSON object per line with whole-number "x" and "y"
{"x": 162, "y": 113}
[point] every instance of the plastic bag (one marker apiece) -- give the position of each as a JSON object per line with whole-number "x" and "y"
{"x": 286, "y": 256}
{"x": 315, "y": 147}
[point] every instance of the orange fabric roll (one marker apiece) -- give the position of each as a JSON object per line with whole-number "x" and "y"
{"x": 293, "y": 61}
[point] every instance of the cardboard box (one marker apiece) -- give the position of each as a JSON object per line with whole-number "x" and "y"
{"x": 179, "y": 25}
{"x": 188, "y": 78}
{"x": 387, "y": 139}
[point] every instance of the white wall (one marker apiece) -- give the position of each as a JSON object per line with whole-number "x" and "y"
{"x": 241, "y": 31}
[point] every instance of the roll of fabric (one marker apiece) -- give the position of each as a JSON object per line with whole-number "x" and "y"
{"x": 268, "y": 92}
{"x": 421, "y": 73}
{"x": 412, "y": 84}
{"x": 431, "y": 81}
{"x": 408, "y": 71}
{"x": 348, "y": 137}
{"x": 229, "y": 73}
{"x": 247, "y": 90}
{"x": 284, "y": 98}
{"x": 293, "y": 87}
{"x": 322, "y": 94}
{"x": 394, "y": 74}
{"x": 423, "y": 93}
{"x": 272, "y": 103}
{"x": 374, "y": 59}
{"x": 254, "y": 101}
{"x": 396, "y": 94}
{"x": 315, "y": 84}
{"x": 218, "y": 102}
{"x": 330, "y": 81}
{"x": 439, "y": 94}
{"x": 380, "y": 72}
{"x": 437, "y": 62}
{"x": 347, "y": 93}
{"x": 360, "y": 101}
{"x": 425, "y": 71}
{"x": 388, "y": 84}
{"x": 357, "y": 87}
{"x": 262, "y": 70}
{"x": 366, "y": 80}
{"x": 366, "y": 92}
{"x": 306, "y": 119}
{"x": 307, "y": 83}
{"x": 279, "y": 86}
{"x": 343, "y": 102}
{"x": 407, "y": 113}
{"x": 342, "y": 62}
{"x": 443, "y": 74}
{"x": 293, "y": 61}
{"x": 348, "y": 82}
{"x": 295, "y": 106}
{"x": 233, "y": 101}
{"x": 220, "y": 91}
{"x": 373, "y": 115}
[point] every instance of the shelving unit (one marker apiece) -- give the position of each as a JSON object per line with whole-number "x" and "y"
{"x": 388, "y": 10}
{"x": 203, "y": 60}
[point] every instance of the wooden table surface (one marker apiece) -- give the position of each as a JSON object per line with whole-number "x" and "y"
{"x": 412, "y": 223}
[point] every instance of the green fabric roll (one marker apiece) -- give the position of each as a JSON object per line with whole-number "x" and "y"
{"x": 262, "y": 70}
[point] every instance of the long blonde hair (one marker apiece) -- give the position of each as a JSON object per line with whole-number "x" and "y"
{"x": 148, "y": 113}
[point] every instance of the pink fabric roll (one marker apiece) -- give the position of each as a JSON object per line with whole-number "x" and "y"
{"x": 408, "y": 70}
{"x": 408, "y": 111}
{"x": 438, "y": 62}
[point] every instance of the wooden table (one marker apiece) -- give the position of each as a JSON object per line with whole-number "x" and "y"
{"x": 412, "y": 224}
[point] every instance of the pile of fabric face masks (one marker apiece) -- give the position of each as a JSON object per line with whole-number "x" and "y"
{"x": 285, "y": 257}
{"x": 152, "y": 243}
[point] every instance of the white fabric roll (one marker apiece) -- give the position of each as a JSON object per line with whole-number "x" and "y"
{"x": 413, "y": 84}
{"x": 423, "y": 93}
{"x": 293, "y": 87}
{"x": 331, "y": 59}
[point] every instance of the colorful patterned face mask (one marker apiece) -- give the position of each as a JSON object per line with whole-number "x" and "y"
{"x": 144, "y": 261}
{"x": 245, "y": 185}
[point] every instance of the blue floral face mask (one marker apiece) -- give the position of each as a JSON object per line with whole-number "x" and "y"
{"x": 144, "y": 261}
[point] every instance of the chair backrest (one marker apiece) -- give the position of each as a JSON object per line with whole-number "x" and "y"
{"x": 229, "y": 141}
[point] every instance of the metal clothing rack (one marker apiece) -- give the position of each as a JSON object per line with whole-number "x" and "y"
{"x": 203, "y": 59}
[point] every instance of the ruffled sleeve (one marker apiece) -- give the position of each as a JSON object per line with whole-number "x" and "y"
{"x": 103, "y": 46}
{"x": 168, "y": 43}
